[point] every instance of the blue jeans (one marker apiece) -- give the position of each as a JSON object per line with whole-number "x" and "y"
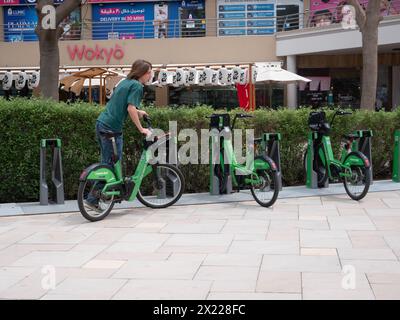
{"x": 107, "y": 155}
{"x": 106, "y": 148}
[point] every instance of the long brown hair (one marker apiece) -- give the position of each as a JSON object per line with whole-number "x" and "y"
{"x": 139, "y": 68}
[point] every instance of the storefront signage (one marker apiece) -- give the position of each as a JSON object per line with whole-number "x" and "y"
{"x": 248, "y": 17}
{"x": 83, "y": 52}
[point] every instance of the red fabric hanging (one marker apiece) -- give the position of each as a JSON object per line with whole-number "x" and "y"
{"x": 243, "y": 92}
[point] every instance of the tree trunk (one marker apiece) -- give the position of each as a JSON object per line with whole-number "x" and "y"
{"x": 49, "y": 63}
{"x": 370, "y": 67}
{"x": 368, "y": 22}
{"x": 48, "y": 46}
{"x": 370, "y": 55}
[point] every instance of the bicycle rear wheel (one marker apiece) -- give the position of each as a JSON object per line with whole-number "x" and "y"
{"x": 91, "y": 190}
{"x": 266, "y": 191}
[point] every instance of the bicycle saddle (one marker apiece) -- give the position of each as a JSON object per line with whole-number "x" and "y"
{"x": 350, "y": 136}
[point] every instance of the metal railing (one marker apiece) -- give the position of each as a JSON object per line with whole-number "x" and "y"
{"x": 149, "y": 29}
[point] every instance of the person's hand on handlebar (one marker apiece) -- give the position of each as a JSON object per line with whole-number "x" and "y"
{"x": 146, "y": 132}
{"x": 142, "y": 113}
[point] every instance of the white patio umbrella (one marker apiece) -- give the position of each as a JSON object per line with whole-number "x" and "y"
{"x": 272, "y": 72}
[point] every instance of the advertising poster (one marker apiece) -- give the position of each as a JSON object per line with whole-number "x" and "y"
{"x": 246, "y": 17}
{"x": 20, "y": 23}
{"x": 122, "y": 21}
{"x": 325, "y": 12}
{"x": 138, "y": 20}
{"x": 160, "y": 20}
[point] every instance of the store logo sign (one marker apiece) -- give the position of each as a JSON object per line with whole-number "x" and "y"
{"x": 15, "y": 12}
{"x": 83, "y": 52}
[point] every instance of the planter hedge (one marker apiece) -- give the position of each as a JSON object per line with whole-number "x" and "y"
{"x": 23, "y": 123}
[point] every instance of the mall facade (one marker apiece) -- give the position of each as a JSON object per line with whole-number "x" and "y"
{"x": 309, "y": 37}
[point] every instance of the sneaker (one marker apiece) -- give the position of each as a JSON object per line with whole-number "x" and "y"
{"x": 92, "y": 206}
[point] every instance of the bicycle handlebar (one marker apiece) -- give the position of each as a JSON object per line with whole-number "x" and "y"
{"x": 339, "y": 113}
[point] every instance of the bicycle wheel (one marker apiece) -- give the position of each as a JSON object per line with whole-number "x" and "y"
{"x": 162, "y": 187}
{"x": 357, "y": 185}
{"x": 105, "y": 203}
{"x": 266, "y": 191}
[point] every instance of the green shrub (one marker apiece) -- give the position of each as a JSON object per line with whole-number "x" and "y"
{"x": 25, "y": 122}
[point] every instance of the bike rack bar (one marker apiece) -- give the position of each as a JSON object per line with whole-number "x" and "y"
{"x": 56, "y": 172}
{"x": 271, "y": 148}
{"x": 396, "y": 157}
{"x": 363, "y": 144}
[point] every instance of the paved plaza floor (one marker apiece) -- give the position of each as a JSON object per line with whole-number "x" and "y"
{"x": 321, "y": 247}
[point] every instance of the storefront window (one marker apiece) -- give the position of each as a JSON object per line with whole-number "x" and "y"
{"x": 340, "y": 87}
{"x": 289, "y": 15}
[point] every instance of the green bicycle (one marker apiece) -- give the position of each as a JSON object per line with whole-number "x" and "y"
{"x": 155, "y": 185}
{"x": 353, "y": 168}
{"x": 260, "y": 174}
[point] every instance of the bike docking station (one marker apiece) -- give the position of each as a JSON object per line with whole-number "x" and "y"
{"x": 353, "y": 168}
{"x": 362, "y": 143}
{"x": 56, "y": 172}
{"x": 270, "y": 147}
{"x": 311, "y": 173}
{"x": 396, "y": 157}
{"x": 220, "y": 182}
{"x": 169, "y": 184}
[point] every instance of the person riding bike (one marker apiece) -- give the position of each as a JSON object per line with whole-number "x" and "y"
{"x": 125, "y": 100}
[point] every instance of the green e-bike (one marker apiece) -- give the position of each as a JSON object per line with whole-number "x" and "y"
{"x": 156, "y": 185}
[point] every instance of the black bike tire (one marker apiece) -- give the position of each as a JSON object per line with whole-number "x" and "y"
{"x": 150, "y": 205}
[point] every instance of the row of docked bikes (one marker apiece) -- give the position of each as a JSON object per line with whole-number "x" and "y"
{"x": 160, "y": 185}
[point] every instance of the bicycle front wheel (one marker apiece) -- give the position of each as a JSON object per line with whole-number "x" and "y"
{"x": 162, "y": 187}
{"x": 266, "y": 191}
{"x": 357, "y": 185}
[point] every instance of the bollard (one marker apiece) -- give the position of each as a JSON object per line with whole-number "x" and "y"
{"x": 396, "y": 157}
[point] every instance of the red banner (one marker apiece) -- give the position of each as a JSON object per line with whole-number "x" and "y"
{"x": 9, "y": 2}
{"x": 243, "y": 92}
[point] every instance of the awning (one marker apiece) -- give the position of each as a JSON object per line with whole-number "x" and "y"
{"x": 270, "y": 72}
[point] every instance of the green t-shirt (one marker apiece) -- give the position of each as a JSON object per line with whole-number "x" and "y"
{"x": 127, "y": 92}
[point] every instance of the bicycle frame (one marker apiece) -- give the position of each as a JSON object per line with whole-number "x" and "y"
{"x": 115, "y": 179}
{"x": 327, "y": 158}
{"x": 247, "y": 170}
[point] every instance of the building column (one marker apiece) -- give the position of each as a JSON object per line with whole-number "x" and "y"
{"x": 162, "y": 96}
{"x": 211, "y": 18}
{"x": 291, "y": 88}
{"x": 395, "y": 87}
